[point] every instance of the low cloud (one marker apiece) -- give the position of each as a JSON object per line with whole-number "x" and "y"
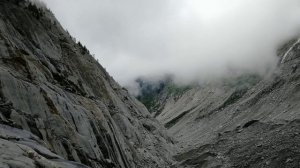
{"x": 193, "y": 40}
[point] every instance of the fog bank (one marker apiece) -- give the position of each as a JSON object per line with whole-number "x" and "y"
{"x": 193, "y": 40}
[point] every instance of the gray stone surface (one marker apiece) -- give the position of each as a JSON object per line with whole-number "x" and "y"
{"x": 60, "y": 108}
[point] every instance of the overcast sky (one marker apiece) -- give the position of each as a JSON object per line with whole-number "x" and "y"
{"x": 191, "y": 39}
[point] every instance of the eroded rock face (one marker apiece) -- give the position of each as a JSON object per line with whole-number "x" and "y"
{"x": 59, "y": 107}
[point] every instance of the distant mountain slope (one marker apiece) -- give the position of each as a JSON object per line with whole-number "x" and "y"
{"x": 60, "y": 108}
{"x": 202, "y": 118}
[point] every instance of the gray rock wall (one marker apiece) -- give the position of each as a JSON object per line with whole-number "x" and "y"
{"x": 59, "y": 107}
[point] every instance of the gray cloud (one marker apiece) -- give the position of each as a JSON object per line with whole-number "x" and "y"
{"x": 191, "y": 39}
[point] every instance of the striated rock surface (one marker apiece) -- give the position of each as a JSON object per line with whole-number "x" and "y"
{"x": 60, "y": 108}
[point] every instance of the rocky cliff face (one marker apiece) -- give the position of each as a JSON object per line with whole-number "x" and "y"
{"x": 60, "y": 108}
{"x": 245, "y": 121}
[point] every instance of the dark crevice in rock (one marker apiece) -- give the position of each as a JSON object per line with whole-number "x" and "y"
{"x": 121, "y": 152}
{"x": 74, "y": 123}
{"x": 101, "y": 144}
{"x": 10, "y": 138}
{"x": 275, "y": 85}
{"x": 46, "y": 155}
{"x": 177, "y": 119}
{"x": 249, "y": 123}
{"x": 49, "y": 102}
{"x": 149, "y": 127}
{"x": 33, "y": 128}
{"x": 234, "y": 97}
{"x": 68, "y": 85}
{"x": 10, "y": 123}
{"x": 5, "y": 109}
{"x": 67, "y": 149}
{"x": 83, "y": 157}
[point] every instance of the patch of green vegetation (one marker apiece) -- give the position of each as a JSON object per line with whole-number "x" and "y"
{"x": 175, "y": 90}
{"x": 152, "y": 93}
{"x": 147, "y": 100}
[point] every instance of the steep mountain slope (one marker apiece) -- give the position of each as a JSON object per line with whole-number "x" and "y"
{"x": 60, "y": 108}
{"x": 246, "y": 121}
{"x": 155, "y": 94}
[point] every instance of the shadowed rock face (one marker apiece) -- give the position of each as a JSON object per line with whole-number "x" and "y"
{"x": 60, "y": 108}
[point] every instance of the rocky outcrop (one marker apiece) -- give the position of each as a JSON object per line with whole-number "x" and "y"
{"x": 58, "y": 105}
